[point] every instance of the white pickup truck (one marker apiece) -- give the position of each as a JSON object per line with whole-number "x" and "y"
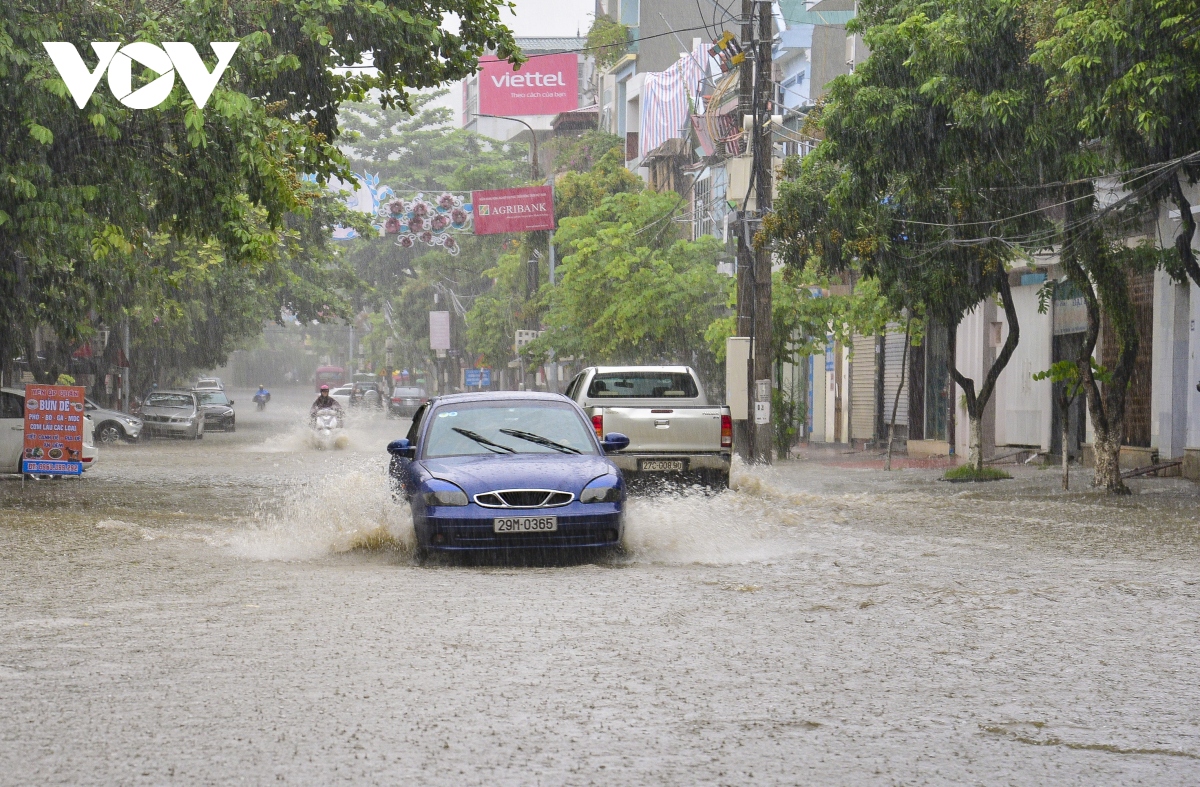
{"x": 672, "y": 429}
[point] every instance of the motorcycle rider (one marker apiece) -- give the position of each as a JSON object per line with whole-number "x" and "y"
{"x": 324, "y": 401}
{"x": 262, "y": 396}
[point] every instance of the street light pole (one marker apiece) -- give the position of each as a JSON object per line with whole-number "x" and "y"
{"x": 534, "y": 169}
{"x": 532, "y": 322}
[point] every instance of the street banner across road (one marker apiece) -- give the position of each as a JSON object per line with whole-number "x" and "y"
{"x": 53, "y": 430}
{"x": 513, "y": 210}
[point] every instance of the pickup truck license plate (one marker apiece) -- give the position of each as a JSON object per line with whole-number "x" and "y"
{"x": 525, "y": 524}
{"x": 668, "y": 465}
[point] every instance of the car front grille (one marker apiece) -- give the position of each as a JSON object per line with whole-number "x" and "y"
{"x": 524, "y": 498}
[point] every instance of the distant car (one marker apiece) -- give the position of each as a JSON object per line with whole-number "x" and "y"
{"x": 217, "y": 409}
{"x": 342, "y": 395}
{"x": 173, "y": 413}
{"x": 405, "y": 402}
{"x": 367, "y": 394}
{"x": 509, "y": 471}
{"x": 12, "y": 433}
{"x": 112, "y": 425}
{"x": 209, "y": 383}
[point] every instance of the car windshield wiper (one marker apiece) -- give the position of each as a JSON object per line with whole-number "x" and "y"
{"x": 483, "y": 441}
{"x": 537, "y": 438}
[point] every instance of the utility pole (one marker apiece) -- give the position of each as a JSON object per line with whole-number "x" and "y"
{"x": 743, "y": 434}
{"x": 763, "y": 157}
{"x": 754, "y": 265}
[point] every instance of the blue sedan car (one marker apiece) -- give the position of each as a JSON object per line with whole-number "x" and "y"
{"x": 509, "y": 471}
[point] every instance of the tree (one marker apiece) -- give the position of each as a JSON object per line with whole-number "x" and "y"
{"x": 914, "y": 182}
{"x": 83, "y": 194}
{"x": 633, "y": 291}
{"x": 592, "y": 173}
{"x": 1131, "y": 72}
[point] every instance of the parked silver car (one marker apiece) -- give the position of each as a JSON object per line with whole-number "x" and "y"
{"x": 113, "y": 425}
{"x": 173, "y": 413}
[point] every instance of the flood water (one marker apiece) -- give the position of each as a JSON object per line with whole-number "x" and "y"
{"x": 246, "y": 609}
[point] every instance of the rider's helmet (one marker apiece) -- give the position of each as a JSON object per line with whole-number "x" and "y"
{"x": 324, "y": 388}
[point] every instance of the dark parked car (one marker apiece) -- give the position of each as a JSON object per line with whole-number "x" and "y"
{"x": 217, "y": 409}
{"x": 509, "y": 471}
{"x": 405, "y": 401}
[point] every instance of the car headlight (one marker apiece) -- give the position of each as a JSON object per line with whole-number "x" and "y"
{"x": 444, "y": 493}
{"x": 605, "y": 489}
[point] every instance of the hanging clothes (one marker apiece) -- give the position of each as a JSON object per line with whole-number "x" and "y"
{"x": 666, "y": 101}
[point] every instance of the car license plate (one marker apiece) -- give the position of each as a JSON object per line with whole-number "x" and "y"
{"x": 525, "y": 524}
{"x": 668, "y": 465}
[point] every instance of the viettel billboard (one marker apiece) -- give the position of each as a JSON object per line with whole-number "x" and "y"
{"x": 543, "y": 85}
{"x": 513, "y": 210}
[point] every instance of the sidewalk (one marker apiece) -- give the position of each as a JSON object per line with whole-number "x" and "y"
{"x": 841, "y": 455}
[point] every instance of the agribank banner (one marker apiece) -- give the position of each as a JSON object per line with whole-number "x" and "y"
{"x": 544, "y": 85}
{"x": 513, "y": 210}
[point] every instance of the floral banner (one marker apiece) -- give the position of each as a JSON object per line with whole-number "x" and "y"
{"x": 419, "y": 219}
{"x": 427, "y": 221}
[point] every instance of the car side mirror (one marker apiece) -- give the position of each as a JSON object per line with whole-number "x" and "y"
{"x": 403, "y": 449}
{"x": 613, "y": 442}
{"x": 231, "y": 403}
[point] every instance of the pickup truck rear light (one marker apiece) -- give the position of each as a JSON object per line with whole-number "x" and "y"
{"x": 598, "y": 425}
{"x": 726, "y": 431}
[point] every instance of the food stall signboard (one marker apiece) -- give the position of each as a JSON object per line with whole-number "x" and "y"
{"x": 53, "y": 430}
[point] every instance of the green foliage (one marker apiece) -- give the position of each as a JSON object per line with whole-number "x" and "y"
{"x": 607, "y": 40}
{"x": 806, "y": 314}
{"x": 970, "y": 472}
{"x": 586, "y": 151}
{"x": 85, "y": 195}
{"x": 631, "y": 290}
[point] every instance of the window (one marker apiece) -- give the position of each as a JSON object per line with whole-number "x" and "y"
{"x": 702, "y": 217}
{"x": 11, "y": 405}
{"x": 643, "y": 385}
{"x": 512, "y": 427}
{"x": 630, "y": 12}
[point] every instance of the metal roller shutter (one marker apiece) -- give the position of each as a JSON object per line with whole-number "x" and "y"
{"x": 892, "y": 357}
{"x": 862, "y": 389}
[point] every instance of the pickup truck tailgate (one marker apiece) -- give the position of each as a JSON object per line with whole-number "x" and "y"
{"x": 666, "y": 429}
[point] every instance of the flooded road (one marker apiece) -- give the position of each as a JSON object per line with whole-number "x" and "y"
{"x": 246, "y": 610}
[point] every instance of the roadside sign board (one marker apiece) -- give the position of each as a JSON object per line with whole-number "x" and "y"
{"x": 53, "y": 430}
{"x": 439, "y": 331}
{"x": 477, "y": 378}
{"x": 543, "y": 85}
{"x": 513, "y": 210}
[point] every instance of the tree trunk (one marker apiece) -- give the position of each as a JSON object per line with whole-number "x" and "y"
{"x": 977, "y": 402}
{"x": 1108, "y": 468}
{"x": 976, "y": 440}
{"x": 899, "y": 388}
{"x": 1065, "y": 406}
{"x": 1093, "y": 267}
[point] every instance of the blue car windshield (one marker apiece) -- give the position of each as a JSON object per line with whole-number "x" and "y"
{"x": 512, "y": 427}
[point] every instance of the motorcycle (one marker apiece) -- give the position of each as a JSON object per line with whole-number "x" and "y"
{"x": 261, "y": 398}
{"x": 327, "y": 429}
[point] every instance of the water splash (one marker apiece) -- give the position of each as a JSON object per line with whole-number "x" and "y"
{"x": 348, "y": 509}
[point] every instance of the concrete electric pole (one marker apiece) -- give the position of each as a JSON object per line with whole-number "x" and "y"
{"x": 753, "y": 439}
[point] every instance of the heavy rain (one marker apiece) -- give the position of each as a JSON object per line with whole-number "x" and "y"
{"x": 599, "y": 392}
